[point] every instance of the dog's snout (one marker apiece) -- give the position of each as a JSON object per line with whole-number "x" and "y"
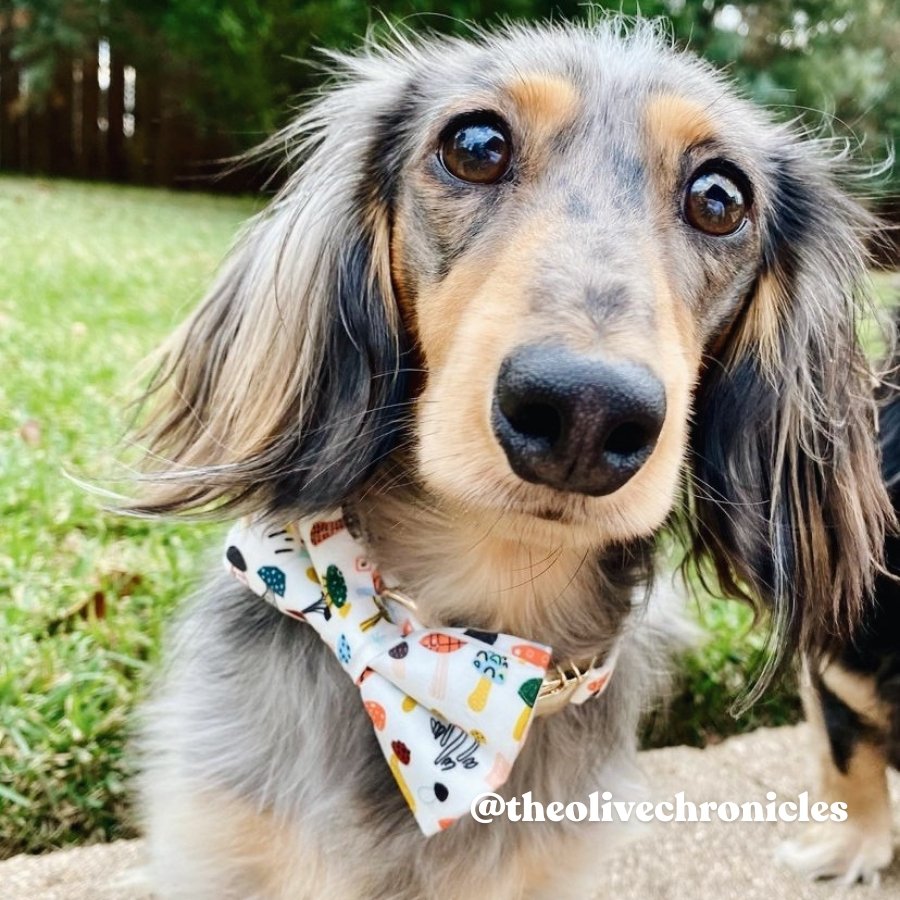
{"x": 576, "y": 423}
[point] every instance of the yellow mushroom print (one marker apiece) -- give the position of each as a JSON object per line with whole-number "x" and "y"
{"x": 492, "y": 667}
{"x": 529, "y": 693}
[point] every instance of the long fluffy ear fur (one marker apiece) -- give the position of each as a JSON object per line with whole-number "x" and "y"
{"x": 285, "y": 387}
{"x": 789, "y": 503}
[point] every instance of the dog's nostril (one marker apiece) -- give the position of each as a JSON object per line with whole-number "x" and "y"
{"x": 536, "y": 420}
{"x": 627, "y": 439}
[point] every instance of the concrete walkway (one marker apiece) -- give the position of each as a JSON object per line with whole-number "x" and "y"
{"x": 704, "y": 861}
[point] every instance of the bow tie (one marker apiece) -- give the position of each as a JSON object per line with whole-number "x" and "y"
{"x": 450, "y": 707}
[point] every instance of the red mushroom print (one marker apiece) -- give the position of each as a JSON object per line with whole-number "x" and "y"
{"x": 535, "y": 656}
{"x": 442, "y": 644}
{"x": 401, "y": 751}
{"x": 376, "y": 714}
{"x": 321, "y": 531}
{"x": 401, "y": 755}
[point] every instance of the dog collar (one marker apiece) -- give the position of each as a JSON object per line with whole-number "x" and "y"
{"x": 451, "y": 707}
{"x": 564, "y": 683}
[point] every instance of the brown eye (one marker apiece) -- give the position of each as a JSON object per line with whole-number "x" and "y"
{"x": 715, "y": 204}
{"x": 476, "y": 149}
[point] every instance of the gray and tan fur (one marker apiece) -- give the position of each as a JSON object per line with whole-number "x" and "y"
{"x": 348, "y": 354}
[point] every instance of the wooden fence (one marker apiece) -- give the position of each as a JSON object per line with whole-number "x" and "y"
{"x": 104, "y": 118}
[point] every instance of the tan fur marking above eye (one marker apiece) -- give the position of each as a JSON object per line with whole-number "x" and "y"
{"x": 674, "y": 124}
{"x": 547, "y": 102}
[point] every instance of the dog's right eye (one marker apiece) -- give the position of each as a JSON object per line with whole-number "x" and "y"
{"x": 476, "y": 148}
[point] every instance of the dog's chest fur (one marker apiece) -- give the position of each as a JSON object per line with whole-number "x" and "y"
{"x": 261, "y": 758}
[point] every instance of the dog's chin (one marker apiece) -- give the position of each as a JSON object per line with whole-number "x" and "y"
{"x": 533, "y": 514}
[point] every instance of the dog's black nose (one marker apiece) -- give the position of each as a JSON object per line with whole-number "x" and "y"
{"x": 573, "y": 422}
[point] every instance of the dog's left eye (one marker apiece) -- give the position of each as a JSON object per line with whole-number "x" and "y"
{"x": 715, "y": 203}
{"x": 476, "y": 148}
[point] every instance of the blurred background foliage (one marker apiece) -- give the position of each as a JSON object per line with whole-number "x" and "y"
{"x": 221, "y": 74}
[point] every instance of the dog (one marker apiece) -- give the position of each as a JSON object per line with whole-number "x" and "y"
{"x": 526, "y": 302}
{"x": 851, "y": 697}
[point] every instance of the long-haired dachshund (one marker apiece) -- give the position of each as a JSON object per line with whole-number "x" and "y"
{"x": 523, "y": 300}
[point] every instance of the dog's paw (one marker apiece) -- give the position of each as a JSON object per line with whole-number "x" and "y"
{"x": 849, "y": 851}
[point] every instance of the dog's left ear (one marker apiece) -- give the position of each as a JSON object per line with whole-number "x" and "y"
{"x": 284, "y": 390}
{"x": 789, "y": 503}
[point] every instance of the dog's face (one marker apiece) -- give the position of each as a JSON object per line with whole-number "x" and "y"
{"x": 554, "y": 274}
{"x": 567, "y": 237}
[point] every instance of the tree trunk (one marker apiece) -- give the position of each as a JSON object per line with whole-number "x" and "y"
{"x": 59, "y": 113}
{"x": 163, "y": 164}
{"x": 90, "y": 166}
{"x": 37, "y": 142}
{"x": 115, "y": 98}
{"x": 10, "y": 155}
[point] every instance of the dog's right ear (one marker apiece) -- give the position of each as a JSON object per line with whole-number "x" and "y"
{"x": 285, "y": 388}
{"x": 790, "y": 503}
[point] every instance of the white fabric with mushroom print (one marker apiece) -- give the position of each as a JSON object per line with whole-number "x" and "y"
{"x": 450, "y": 706}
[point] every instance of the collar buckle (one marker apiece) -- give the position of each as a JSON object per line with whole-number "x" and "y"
{"x": 559, "y": 686}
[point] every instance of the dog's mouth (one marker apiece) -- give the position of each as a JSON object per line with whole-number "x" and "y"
{"x": 552, "y": 514}
{"x": 533, "y": 505}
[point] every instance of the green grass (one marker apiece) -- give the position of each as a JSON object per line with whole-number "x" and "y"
{"x": 91, "y": 279}
{"x": 716, "y": 675}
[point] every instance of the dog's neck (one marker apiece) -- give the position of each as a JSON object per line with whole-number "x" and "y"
{"x": 463, "y": 571}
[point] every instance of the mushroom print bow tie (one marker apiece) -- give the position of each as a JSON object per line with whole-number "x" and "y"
{"x": 450, "y": 706}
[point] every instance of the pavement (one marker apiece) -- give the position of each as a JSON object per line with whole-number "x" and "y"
{"x": 688, "y": 861}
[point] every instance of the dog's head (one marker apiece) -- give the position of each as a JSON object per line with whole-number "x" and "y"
{"x": 561, "y": 273}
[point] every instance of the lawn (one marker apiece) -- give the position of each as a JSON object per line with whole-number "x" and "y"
{"x": 92, "y": 278}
